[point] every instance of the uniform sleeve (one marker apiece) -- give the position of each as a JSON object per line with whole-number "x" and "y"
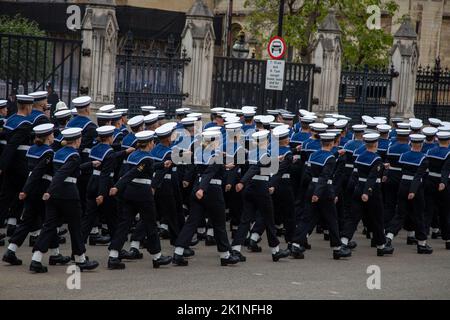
{"x": 418, "y": 177}
{"x": 208, "y": 174}
{"x": 146, "y": 166}
{"x": 88, "y": 137}
{"x": 65, "y": 171}
{"x": 17, "y": 138}
{"x": 108, "y": 165}
{"x": 375, "y": 173}
{"x": 339, "y": 177}
{"x": 445, "y": 173}
{"x": 39, "y": 170}
{"x": 325, "y": 175}
{"x": 251, "y": 172}
{"x": 284, "y": 167}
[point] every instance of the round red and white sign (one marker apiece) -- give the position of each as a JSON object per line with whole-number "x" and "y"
{"x": 276, "y": 48}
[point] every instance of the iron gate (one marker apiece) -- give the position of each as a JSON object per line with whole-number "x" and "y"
{"x": 155, "y": 80}
{"x": 27, "y": 63}
{"x": 433, "y": 92}
{"x": 365, "y": 91}
{"x": 238, "y": 82}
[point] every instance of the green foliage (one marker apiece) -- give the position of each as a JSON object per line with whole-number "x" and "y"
{"x": 20, "y": 26}
{"x": 303, "y": 17}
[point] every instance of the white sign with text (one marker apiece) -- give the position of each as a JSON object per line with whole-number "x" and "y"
{"x": 275, "y": 75}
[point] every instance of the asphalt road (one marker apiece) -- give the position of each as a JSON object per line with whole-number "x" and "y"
{"x": 405, "y": 275}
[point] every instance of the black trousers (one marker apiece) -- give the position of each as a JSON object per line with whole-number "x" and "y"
{"x": 212, "y": 206}
{"x": 414, "y": 209}
{"x": 32, "y": 218}
{"x": 234, "y": 201}
{"x": 391, "y": 198}
{"x": 93, "y": 212}
{"x": 129, "y": 210}
{"x": 56, "y": 210}
{"x": 432, "y": 211}
{"x": 256, "y": 198}
{"x": 326, "y": 208}
{"x": 82, "y": 183}
{"x": 10, "y": 205}
{"x": 283, "y": 203}
{"x": 139, "y": 232}
{"x": 439, "y": 204}
{"x": 372, "y": 211}
{"x": 168, "y": 206}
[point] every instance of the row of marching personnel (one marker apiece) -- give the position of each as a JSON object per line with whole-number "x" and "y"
{"x": 182, "y": 181}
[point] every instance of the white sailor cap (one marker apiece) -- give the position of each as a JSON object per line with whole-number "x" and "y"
{"x": 273, "y": 112}
{"x": 444, "y": 128}
{"x": 416, "y": 125}
{"x": 228, "y": 115}
{"x": 415, "y": 119}
{"x": 24, "y": 99}
{"x": 216, "y": 110}
{"x": 403, "y": 132}
{"x": 397, "y": 120}
{"x": 61, "y": 105}
{"x": 107, "y": 108}
{"x": 136, "y": 121}
{"x": 104, "y": 116}
{"x": 166, "y": 129}
{"x": 256, "y": 118}
{"x": 334, "y": 131}
{"x": 287, "y": 116}
{"x": 308, "y": 119}
{"x": 62, "y": 114}
{"x": 248, "y": 112}
{"x": 342, "y": 117}
{"x": 404, "y": 125}
{"x": 318, "y": 127}
{"x": 341, "y": 123}
{"x": 145, "y": 135}
{"x": 304, "y": 112}
{"x": 236, "y": 126}
{"x": 43, "y": 129}
{"x": 116, "y": 116}
{"x": 233, "y": 119}
{"x": 331, "y": 115}
{"x": 371, "y": 122}
{"x": 267, "y": 119}
{"x": 329, "y": 121}
{"x": 429, "y": 131}
{"x": 123, "y": 111}
{"x": 188, "y": 121}
{"x": 147, "y": 108}
{"x": 371, "y": 137}
{"x": 197, "y": 115}
{"x": 72, "y": 133}
{"x": 151, "y": 118}
{"x": 182, "y": 111}
{"x": 105, "y": 131}
{"x": 261, "y": 134}
{"x": 383, "y": 128}
{"x": 161, "y": 113}
{"x": 215, "y": 128}
{"x": 359, "y": 127}
{"x": 417, "y": 138}
{"x": 434, "y": 121}
{"x": 81, "y": 102}
{"x": 3, "y": 103}
{"x": 211, "y": 135}
{"x": 74, "y": 111}
{"x": 39, "y": 95}
{"x": 281, "y": 132}
{"x": 249, "y": 107}
{"x": 277, "y": 124}
{"x": 327, "y": 136}
{"x": 443, "y": 135}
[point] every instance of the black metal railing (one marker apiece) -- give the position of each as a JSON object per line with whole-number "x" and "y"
{"x": 27, "y": 63}
{"x": 238, "y": 82}
{"x": 365, "y": 91}
{"x": 432, "y": 99}
{"x": 150, "y": 80}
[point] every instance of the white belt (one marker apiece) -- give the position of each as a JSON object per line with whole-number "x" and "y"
{"x": 142, "y": 181}
{"x": 407, "y": 177}
{"x": 348, "y": 165}
{"x": 174, "y": 169}
{"x": 23, "y": 147}
{"x": 365, "y": 180}
{"x": 2, "y": 141}
{"x": 168, "y": 176}
{"x": 98, "y": 172}
{"x": 70, "y": 180}
{"x": 434, "y": 174}
{"x": 395, "y": 168}
{"x": 212, "y": 181}
{"x": 317, "y": 180}
{"x": 47, "y": 177}
{"x": 355, "y": 170}
{"x": 261, "y": 178}
{"x": 286, "y": 176}
{"x": 86, "y": 150}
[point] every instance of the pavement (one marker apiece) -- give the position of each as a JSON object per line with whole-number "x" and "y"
{"x": 405, "y": 275}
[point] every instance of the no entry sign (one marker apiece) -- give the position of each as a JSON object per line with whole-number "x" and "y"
{"x": 276, "y": 48}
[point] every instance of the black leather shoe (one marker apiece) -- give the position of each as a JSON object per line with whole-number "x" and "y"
{"x": 59, "y": 259}
{"x": 385, "y": 250}
{"x": 133, "y": 254}
{"x": 32, "y": 241}
{"x": 10, "y": 228}
{"x": 162, "y": 261}
{"x": 230, "y": 260}
{"x": 426, "y": 249}
{"x": 188, "y": 252}
{"x": 352, "y": 245}
{"x": 37, "y": 267}
{"x": 62, "y": 231}
{"x": 280, "y": 255}
{"x": 201, "y": 236}
{"x": 319, "y": 229}
{"x": 179, "y": 260}
{"x": 61, "y": 240}
{"x": 343, "y": 252}
{"x": 326, "y": 236}
{"x": 306, "y": 245}
{"x": 447, "y": 245}
{"x": 115, "y": 264}
{"x": 241, "y": 257}
{"x": 373, "y": 244}
{"x": 297, "y": 252}
{"x": 105, "y": 232}
{"x": 98, "y": 239}
{"x": 164, "y": 234}
{"x": 194, "y": 243}
{"x": 436, "y": 235}
{"x": 10, "y": 257}
{"x": 87, "y": 265}
{"x": 210, "y": 241}
{"x": 280, "y": 232}
{"x": 253, "y": 246}
{"x": 411, "y": 241}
